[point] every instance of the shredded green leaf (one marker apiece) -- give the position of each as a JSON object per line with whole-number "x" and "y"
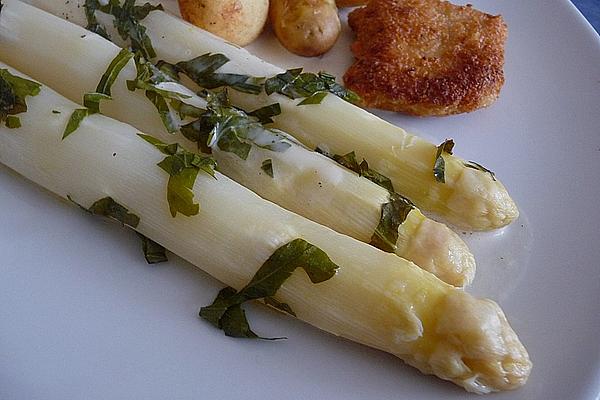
{"x": 77, "y": 116}
{"x": 109, "y": 208}
{"x": 231, "y": 129}
{"x": 182, "y": 167}
{"x": 91, "y": 101}
{"x": 479, "y": 167}
{"x": 166, "y": 102}
{"x": 312, "y": 87}
{"x": 112, "y": 72}
{"x": 90, "y": 7}
{"x": 202, "y": 70}
{"x": 284, "y": 307}
{"x": 439, "y": 166}
{"x": 393, "y": 214}
{"x": 267, "y": 166}
{"x": 362, "y": 169}
{"x": 13, "y": 91}
{"x": 154, "y": 253}
{"x": 13, "y": 122}
{"x": 127, "y": 17}
{"x": 226, "y": 313}
{"x": 265, "y": 114}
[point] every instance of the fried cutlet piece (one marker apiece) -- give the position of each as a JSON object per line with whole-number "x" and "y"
{"x": 426, "y": 57}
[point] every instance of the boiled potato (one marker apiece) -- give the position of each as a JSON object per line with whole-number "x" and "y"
{"x": 237, "y": 21}
{"x": 305, "y": 27}
{"x": 350, "y": 3}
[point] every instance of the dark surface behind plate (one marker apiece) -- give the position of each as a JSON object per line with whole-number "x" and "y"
{"x": 591, "y": 10}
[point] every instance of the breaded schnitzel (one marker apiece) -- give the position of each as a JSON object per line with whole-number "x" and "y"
{"x": 426, "y": 57}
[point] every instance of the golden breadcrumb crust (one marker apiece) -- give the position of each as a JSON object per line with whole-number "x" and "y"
{"x": 426, "y": 57}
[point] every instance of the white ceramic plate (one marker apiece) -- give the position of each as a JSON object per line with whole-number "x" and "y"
{"x": 83, "y": 317}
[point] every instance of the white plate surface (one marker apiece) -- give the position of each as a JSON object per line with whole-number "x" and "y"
{"x": 83, "y": 317}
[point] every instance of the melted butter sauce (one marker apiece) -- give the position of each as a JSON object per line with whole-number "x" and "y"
{"x": 502, "y": 257}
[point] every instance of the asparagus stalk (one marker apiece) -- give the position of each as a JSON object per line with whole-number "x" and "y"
{"x": 303, "y": 181}
{"x": 375, "y": 298}
{"x": 469, "y": 198}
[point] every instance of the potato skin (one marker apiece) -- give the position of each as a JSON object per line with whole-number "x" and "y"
{"x": 305, "y": 27}
{"x": 350, "y": 3}
{"x": 237, "y": 21}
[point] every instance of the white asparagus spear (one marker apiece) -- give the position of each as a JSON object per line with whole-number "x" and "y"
{"x": 375, "y": 298}
{"x": 469, "y": 198}
{"x": 304, "y": 182}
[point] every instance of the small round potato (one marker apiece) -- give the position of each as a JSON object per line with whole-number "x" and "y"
{"x": 305, "y": 27}
{"x": 237, "y": 21}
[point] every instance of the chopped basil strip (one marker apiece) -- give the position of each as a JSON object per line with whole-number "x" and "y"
{"x": 91, "y": 101}
{"x": 226, "y": 313}
{"x": 284, "y": 307}
{"x": 316, "y": 98}
{"x": 109, "y": 208}
{"x": 93, "y": 25}
{"x": 75, "y": 120}
{"x": 182, "y": 167}
{"x": 295, "y": 84}
{"x": 103, "y": 92}
{"x": 166, "y": 102}
{"x": 202, "y": 70}
{"x": 13, "y": 122}
{"x": 112, "y": 72}
{"x": 127, "y": 17}
{"x": 231, "y": 129}
{"x": 479, "y": 167}
{"x": 439, "y": 166}
{"x": 362, "y": 169}
{"x": 153, "y": 252}
{"x": 267, "y": 166}
{"x": 265, "y": 114}
{"x": 166, "y": 115}
{"x": 13, "y": 91}
{"x": 393, "y": 214}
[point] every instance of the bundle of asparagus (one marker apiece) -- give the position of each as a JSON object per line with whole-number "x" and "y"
{"x": 470, "y": 197}
{"x": 302, "y": 181}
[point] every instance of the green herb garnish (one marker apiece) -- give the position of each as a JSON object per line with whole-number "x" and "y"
{"x": 362, "y": 169}
{"x": 312, "y": 87}
{"x": 203, "y": 71}
{"x": 77, "y": 116}
{"x": 284, "y": 307}
{"x": 393, "y": 214}
{"x": 13, "y": 122}
{"x": 166, "y": 102}
{"x": 127, "y": 17}
{"x": 13, "y": 91}
{"x": 154, "y": 253}
{"x": 231, "y": 129}
{"x": 91, "y": 101}
{"x": 226, "y": 312}
{"x": 183, "y": 167}
{"x": 479, "y": 167}
{"x": 267, "y": 166}
{"x": 265, "y": 114}
{"x": 107, "y": 207}
{"x": 439, "y": 166}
